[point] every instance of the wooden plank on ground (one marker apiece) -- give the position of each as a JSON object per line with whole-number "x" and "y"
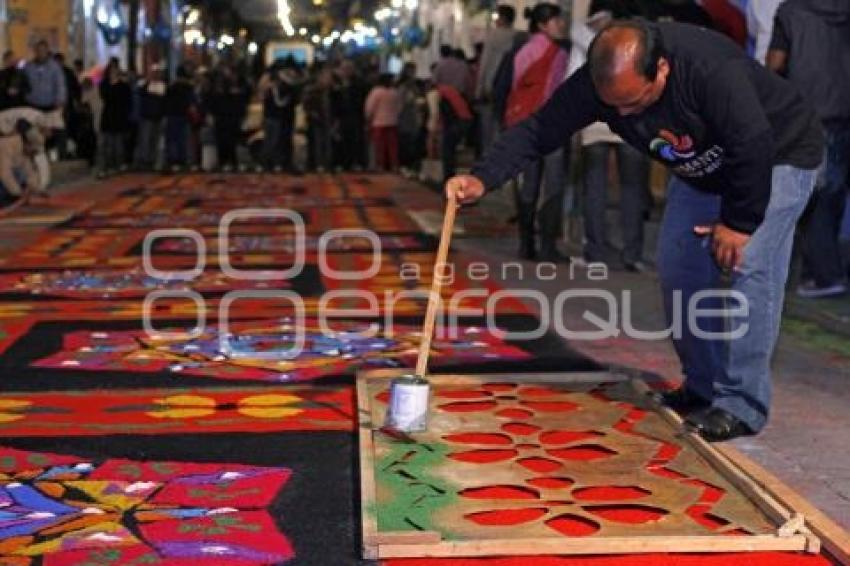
{"x": 596, "y": 546}
{"x": 368, "y": 499}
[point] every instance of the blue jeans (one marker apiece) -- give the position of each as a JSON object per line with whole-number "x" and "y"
{"x": 541, "y": 197}
{"x": 112, "y": 150}
{"x": 490, "y": 125}
{"x": 821, "y": 251}
{"x": 321, "y": 145}
{"x": 277, "y": 143}
{"x": 734, "y": 374}
{"x": 633, "y": 168}
{"x": 177, "y": 140}
{"x": 453, "y": 131}
{"x": 147, "y": 147}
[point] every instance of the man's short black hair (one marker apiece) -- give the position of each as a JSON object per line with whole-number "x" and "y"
{"x": 602, "y": 55}
{"x": 506, "y": 13}
{"x": 446, "y": 50}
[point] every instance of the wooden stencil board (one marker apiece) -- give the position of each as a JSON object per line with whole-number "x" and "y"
{"x": 554, "y": 464}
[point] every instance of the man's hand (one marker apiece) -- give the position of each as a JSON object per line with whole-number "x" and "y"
{"x": 727, "y": 244}
{"x": 465, "y": 188}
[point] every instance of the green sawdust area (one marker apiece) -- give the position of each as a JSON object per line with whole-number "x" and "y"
{"x": 814, "y": 336}
{"x": 415, "y": 494}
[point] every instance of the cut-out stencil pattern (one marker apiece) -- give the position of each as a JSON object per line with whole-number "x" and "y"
{"x": 505, "y": 460}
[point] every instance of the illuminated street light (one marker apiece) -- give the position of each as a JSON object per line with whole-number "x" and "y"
{"x": 193, "y": 17}
{"x": 283, "y": 12}
{"x": 193, "y": 36}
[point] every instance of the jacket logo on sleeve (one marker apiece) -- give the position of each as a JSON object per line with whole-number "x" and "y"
{"x": 672, "y": 148}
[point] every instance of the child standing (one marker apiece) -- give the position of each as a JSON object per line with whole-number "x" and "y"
{"x": 383, "y": 106}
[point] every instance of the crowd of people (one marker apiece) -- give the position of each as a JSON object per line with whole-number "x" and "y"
{"x": 349, "y": 115}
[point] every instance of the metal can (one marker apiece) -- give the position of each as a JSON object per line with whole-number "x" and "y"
{"x": 408, "y": 409}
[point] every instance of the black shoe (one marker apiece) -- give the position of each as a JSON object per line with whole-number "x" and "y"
{"x": 716, "y": 425}
{"x": 682, "y": 400}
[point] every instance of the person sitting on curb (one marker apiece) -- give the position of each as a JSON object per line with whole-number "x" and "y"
{"x": 18, "y": 172}
{"x": 24, "y": 160}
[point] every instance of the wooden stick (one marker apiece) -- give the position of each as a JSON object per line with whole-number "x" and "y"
{"x": 434, "y": 298}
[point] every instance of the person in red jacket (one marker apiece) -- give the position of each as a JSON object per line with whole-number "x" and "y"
{"x": 540, "y": 67}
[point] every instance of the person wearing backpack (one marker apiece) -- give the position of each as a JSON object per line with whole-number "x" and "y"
{"x": 540, "y": 67}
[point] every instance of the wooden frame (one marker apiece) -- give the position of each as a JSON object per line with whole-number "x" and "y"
{"x": 792, "y": 531}
{"x": 835, "y": 540}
